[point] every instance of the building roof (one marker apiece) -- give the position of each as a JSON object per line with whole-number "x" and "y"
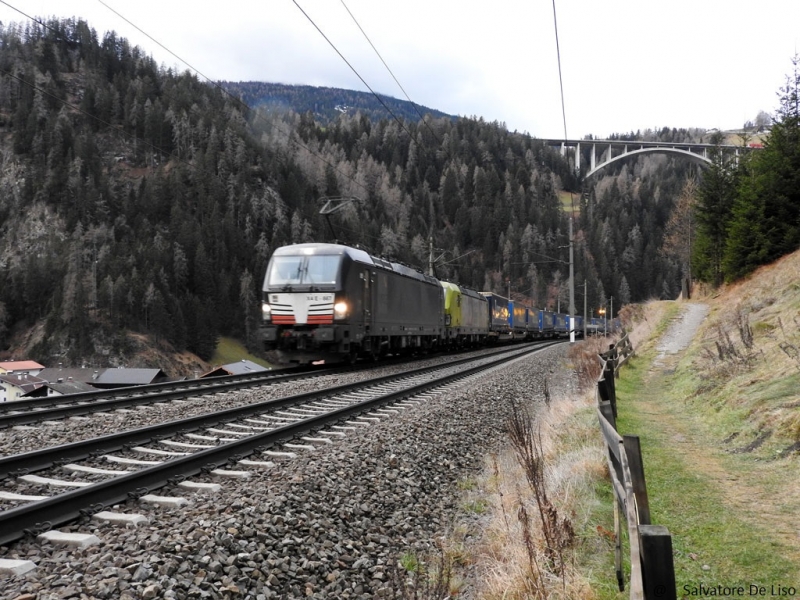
{"x": 237, "y": 368}
{"x": 21, "y": 365}
{"x": 242, "y": 367}
{"x": 25, "y": 382}
{"x": 123, "y": 377}
{"x": 68, "y": 387}
{"x": 56, "y": 375}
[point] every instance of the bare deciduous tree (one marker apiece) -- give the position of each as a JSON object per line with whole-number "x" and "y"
{"x": 680, "y": 227}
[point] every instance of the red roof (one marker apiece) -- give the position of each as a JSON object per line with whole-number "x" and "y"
{"x": 20, "y": 365}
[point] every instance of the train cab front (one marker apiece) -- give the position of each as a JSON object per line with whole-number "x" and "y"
{"x": 304, "y": 309}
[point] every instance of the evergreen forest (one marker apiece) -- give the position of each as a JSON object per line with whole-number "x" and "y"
{"x": 325, "y": 104}
{"x": 748, "y": 212}
{"x": 137, "y": 199}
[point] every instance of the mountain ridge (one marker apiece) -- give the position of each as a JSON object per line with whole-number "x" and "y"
{"x": 327, "y": 103}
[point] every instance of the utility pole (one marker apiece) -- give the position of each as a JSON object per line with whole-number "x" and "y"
{"x": 585, "y": 313}
{"x": 571, "y": 289}
{"x": 430, "y": 256}
{"x": 612, "y": 310}
{"x": 94, "y": 278}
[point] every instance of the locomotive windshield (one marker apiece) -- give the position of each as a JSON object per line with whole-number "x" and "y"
{"x": 309, "y": 270}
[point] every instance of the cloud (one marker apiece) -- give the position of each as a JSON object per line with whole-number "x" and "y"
{"x": 626, "y": 65}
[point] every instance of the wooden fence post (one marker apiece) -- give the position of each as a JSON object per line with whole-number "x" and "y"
{"x": 613, "y": 359}
{"x": 605, "y": 388}
{"x": 652, "y": 566}
{"x": 618, "y": 546}
{"x": 608, "y": 377}
{"x": 658, "y": 570}
{"x": 608, "y": 413}
{"x": 634, "y": 452}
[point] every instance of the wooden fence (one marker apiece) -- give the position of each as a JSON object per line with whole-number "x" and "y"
{"x": 652, "y": 568}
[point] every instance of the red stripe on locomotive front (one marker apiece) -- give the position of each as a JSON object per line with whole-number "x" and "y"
{"x": 320, "y": 320}
{"x": 283, "y": 320}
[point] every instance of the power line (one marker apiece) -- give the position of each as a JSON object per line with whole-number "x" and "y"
{"x": 422, "y": 118}
{"x": 352, "y": 68}
{"x": 288, "y": 134}
{"x": 135, "y": 137}
{"x": 78, "y": 108}
{"x": 42, "y": 23}
{"x": 560, "y": 79}
{"x": 196, "y": 70}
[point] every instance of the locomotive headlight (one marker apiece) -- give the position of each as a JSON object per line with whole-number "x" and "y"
{"x": 340, "y": 310}
{"x": 266, "y": 311}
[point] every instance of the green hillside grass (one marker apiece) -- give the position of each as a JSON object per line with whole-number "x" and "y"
{"x": 230, "y": 350}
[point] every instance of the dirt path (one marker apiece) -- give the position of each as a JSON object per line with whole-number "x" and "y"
{"x": 764, "y": 493}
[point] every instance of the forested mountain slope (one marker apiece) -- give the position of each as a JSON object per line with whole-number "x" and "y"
{"x": 324, "y": 103}
{"x": 134, "y": 198}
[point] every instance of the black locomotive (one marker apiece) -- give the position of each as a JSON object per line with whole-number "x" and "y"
{"x": 332, "y": 302}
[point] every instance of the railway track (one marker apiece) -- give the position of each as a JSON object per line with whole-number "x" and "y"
{"x": 176, "y": 452}
{"x": 37, "y": 410}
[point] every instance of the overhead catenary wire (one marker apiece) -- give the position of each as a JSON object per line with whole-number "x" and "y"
{"x": 352, "y": 68}
{"x": 561, "y": 87}
{"x": 422, "y": 118}
{"x": 42, "y": 23}
{"x": 241, "y": 102}
{"x": 134, "y": 136}
{"x": 560, "y": 78}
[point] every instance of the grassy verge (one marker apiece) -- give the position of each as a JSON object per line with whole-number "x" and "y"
{"x": 567, "y": 201}
{"x": 540, "y": 505}
{"x": 717, "y": 505}
{"x": 230, "y": 350}
{"x": 731, "y": 512}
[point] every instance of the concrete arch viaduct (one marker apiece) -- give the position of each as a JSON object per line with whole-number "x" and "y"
{"x": 610, "y": 151}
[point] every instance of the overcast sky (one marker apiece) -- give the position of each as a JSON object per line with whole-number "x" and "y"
{"x": 626, "y": 64}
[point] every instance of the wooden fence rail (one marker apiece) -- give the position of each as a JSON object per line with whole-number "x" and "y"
{"x": 652, "y": 567}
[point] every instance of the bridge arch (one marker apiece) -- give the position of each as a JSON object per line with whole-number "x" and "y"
{"x": 701, "y": 160}
{"x": 613, "y": 150}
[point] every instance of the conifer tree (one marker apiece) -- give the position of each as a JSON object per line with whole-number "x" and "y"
{"x": 766, "y": 217}
{"x": 713, "y": 214}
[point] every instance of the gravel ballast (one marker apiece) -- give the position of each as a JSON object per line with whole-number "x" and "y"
{"x": 327, "y": 524}
{"x": 18, "y": 440}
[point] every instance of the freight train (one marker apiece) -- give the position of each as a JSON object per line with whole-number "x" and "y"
{"x": 333, "y": 303}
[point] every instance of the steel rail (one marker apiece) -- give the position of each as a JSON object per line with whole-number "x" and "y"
{"x": 47, "y": 457}
{"x": 150, "y": 392}
{"x": 44, "y": 514}
{"x": 69, "y": 405}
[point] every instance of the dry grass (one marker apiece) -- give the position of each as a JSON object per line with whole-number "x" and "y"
{"x": 586, "y": 361}
{"x": 749, "y": 358}
{"x": 706, "y": 436}
{"x": 540, "y": 527}
{"x": 752, "y": 365}
{"x": 414, "y": 578}
{"x": 643, "y": 327}
{"x": 525, "y": 551}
